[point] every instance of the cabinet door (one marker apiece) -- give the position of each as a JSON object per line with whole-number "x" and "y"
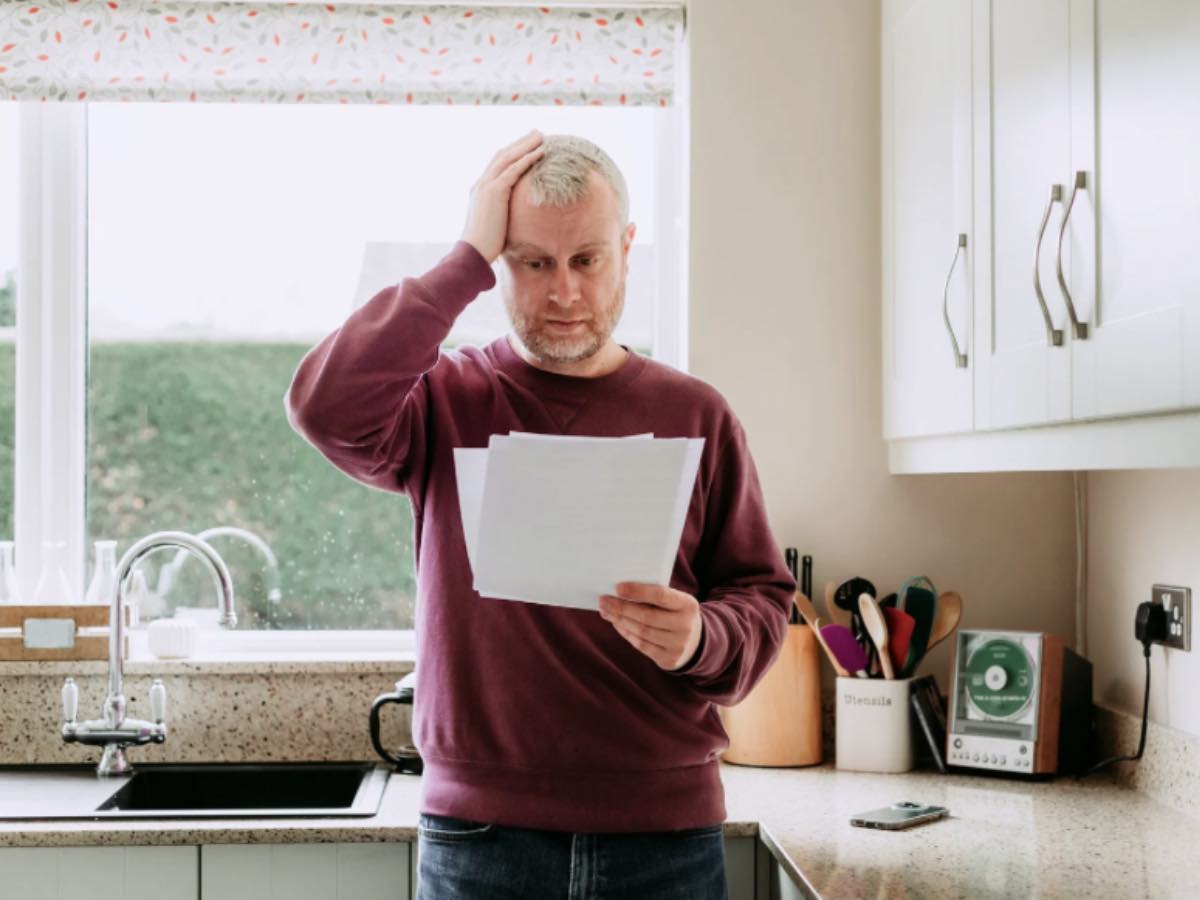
{"x": 305, "y": 872}
{"x": 1023, "y": 148}
{"x": 100, "y": 873}
{"x": 1135, "y": 233}
{"x": 927, "y": 207}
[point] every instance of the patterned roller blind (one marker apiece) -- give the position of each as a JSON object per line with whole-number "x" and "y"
{"x": 277, "y": 52}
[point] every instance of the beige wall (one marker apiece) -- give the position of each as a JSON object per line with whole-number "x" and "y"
{"x": 785, "y": 320}
{"x": 1143, "y": 529}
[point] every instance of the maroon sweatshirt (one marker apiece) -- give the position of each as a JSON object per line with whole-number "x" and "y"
{"x": 528, "y": 714}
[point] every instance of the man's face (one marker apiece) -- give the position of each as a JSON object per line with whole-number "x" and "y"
{"x": 566, "y": 268}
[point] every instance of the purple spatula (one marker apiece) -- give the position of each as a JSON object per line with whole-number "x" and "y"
{"x": 841, "y": 642}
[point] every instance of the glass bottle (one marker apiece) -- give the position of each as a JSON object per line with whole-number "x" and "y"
{"x": 136, "y": 598}
{"x": 104, "y": 576}
{"x": 53, "y": 586}
{"x": 8, "y": 573}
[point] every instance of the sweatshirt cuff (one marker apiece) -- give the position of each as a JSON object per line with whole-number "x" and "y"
{"x": 713, "y": 641}
{"x": 458, "y": 278}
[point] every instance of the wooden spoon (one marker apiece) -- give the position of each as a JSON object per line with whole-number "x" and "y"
{"x": 809, "y": 613}
{"x": 872, "y": 618}
{"x": 949, "y": 611}
{"x": 835, "y": 615}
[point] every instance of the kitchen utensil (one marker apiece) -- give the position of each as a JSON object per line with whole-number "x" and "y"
{"x": 846, "y": 597}
{"x": 922, "y": 606}
{"x": 809, "y": 613}
{"x": 900, "y": 628}
{"x": 790, "y": 555}
{"x": 832, "y": 612}
{"x": 949, "y": 611}
{"x": 806, "y": 576}
{"x": 848, "y": 651}
{"x": 921, "y": 581}
{"x": 847, "y": 593}
{"x": 877, "y": 628}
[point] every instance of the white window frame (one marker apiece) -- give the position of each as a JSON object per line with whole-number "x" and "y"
{"x": 50, "y": 467}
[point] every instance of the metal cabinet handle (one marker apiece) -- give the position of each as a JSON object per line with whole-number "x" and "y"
{"x": 1080, "y": 328}
{"x": 1054, "y": 335}
{"x": 960, "y": 358}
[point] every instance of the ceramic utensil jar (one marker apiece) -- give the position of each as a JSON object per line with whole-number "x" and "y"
{"x": 874, "y": 724}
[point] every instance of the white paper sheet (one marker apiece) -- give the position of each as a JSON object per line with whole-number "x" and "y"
{"x": 561, "y": 519}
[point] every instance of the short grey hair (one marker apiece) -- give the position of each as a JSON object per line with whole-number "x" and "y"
{"x": 560, "y": 177}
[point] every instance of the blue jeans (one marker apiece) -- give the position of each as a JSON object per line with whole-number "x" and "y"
{"x": 465, "y": 860}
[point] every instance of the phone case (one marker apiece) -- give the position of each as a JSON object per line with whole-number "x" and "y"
{"x": 899, "y": 816}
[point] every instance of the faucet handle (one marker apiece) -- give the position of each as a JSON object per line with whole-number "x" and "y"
{"x": 158, "y": 702}
{"x": 70, "y": 700}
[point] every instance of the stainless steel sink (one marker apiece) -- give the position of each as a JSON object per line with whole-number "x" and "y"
{"x": 193, "y": 791}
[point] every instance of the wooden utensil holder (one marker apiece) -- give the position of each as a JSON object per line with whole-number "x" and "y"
{"x": 779, "y": 722}
{"x": 89, "y": 644}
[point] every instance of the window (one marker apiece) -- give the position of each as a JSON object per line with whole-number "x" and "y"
{"x": 8, "y": 312}
{"x": 223, "y": 241}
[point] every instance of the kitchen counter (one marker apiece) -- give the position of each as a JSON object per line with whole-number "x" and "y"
{"x": 1004, "y": 838}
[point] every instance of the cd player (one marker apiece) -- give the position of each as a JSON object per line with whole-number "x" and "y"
{"x": 1020, "y": 702}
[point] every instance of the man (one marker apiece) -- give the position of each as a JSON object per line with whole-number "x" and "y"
{"x": 566, "y": 754}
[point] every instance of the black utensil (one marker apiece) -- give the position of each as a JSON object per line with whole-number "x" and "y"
{"x": 846, "y": 597}
{"x": 791, "y": 555}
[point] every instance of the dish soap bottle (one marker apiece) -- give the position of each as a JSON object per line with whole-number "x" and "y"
{"x": 8, "y": 573}
{"x": 53, "y": 586}
{"x": 104, "y": 577}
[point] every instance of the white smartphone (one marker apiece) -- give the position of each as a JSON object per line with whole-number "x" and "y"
{"x": 899, "y": 815}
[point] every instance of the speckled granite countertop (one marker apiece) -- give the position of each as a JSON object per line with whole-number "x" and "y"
{"x": 1005, "y": 838}
{"x": 1065, "y": 838}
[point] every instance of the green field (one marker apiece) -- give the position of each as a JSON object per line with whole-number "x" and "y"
{"x": 191, "y": 435}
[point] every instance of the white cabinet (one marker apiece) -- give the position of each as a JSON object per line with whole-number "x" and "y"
{"x": 1082, "y": 225}
{"x": 305, "y": 872}
{"x": 1135, "y": 241}
{"x": 1022, "y": 83}
{"x": 100, "y": 873}
{"x": 927, "y": 208}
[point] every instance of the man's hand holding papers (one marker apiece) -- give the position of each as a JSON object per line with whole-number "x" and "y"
{"x": 663, "y": 623}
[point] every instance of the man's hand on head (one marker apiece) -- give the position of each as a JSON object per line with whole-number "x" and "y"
{"x": 663, "y": 623}
{"x": 487, "y": 218}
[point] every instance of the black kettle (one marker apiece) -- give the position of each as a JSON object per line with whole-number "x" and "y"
{"x": 406, "y": 759}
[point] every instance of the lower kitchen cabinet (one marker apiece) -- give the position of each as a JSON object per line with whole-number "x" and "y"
{"x": 305, "y": 872}
{"x": 352, "y": 871}
{"x": 100, "y": 873}
{"x": 739, "y": 867}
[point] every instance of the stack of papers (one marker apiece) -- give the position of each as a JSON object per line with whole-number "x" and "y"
{"x": 562, "y": 519}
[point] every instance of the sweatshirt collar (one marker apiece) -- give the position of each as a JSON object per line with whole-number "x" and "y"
{"x": 506, "y": 360}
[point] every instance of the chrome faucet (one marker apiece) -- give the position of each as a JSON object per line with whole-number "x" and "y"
{"x": 167, "y": 574}
{"x": 114, "y": 731}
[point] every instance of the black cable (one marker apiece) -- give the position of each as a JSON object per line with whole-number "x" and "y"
{"x": 1142, "y": 740}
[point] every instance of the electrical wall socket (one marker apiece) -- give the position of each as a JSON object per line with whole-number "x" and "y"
{"x": 1177, "y": 603}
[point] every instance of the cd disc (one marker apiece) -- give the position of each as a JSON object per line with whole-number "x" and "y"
{"x": 999, "y": 678}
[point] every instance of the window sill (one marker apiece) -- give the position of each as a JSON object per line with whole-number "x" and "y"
{"x": 249, "y": 652}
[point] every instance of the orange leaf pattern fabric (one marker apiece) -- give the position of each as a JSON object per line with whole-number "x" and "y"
{"x": 277, "y": 52}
